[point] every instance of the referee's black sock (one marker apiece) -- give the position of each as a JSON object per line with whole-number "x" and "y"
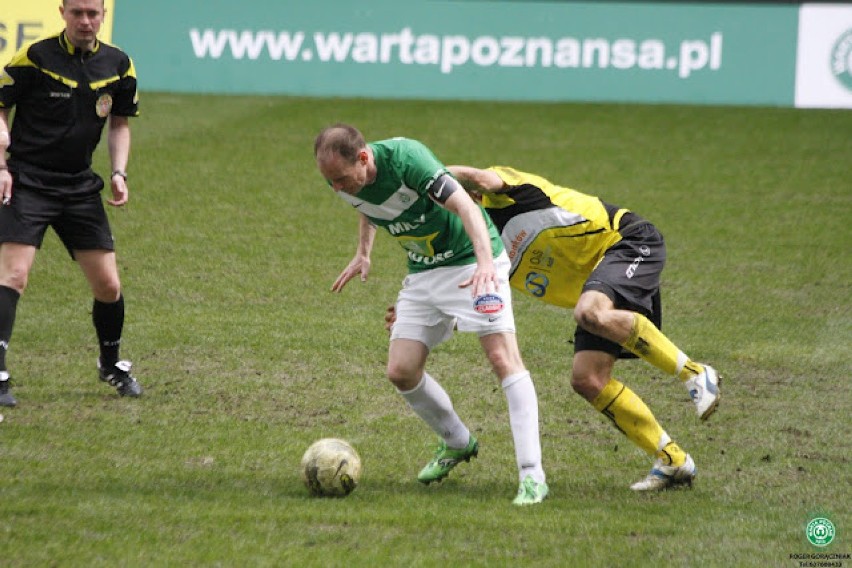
{"x": 109, "y": 323}
{"x": 8, "y": 308}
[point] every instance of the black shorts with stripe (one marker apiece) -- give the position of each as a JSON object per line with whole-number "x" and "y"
{"x": 81, "y": 223}
{"x": 629, "y": 274}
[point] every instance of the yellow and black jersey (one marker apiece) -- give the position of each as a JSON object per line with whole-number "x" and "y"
{"x": 555, "y": 236}
{"x": 62, "y": 98}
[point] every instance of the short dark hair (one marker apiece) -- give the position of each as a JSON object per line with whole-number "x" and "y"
{"x": 103, "y": 3}
{"x": 341, "y": 139}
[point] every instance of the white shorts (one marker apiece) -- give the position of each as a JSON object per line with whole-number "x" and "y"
{"x": 431, "y": 304}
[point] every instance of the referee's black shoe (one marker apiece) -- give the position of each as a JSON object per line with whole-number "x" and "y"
{"x": 118, "y": 375}
{"x": 6, "y": 398}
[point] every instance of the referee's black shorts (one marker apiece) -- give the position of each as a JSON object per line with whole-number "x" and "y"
{"x": 629, "y": 274}
{"x": 80, "y": 222}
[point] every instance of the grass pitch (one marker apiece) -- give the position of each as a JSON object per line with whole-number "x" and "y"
{"x": 228, "y": 249}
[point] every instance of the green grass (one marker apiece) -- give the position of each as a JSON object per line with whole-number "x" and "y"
{"x": 228, "y": 250}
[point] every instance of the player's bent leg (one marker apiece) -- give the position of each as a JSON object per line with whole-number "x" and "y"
{"x": 649, "y": 343}
{"x": 627, "y": 412}
{"x": 432, "y": 404}
{"x": 406, "y": 362}
{"x": 632, "y": 416}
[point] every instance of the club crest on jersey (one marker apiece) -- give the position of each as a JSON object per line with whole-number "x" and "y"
{"x": 488, "y": 304}
{"x": 103, "y": 106}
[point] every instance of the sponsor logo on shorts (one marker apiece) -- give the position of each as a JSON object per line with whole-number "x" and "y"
{"x": 631, "y": 270}
{"x": 536, "y": 284}
{"x": 488, "y": 304}
{"x": 516, "y": 244}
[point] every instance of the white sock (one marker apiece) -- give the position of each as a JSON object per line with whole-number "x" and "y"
{"x": 432, "y": 403}
{"x": 523, "y": 417}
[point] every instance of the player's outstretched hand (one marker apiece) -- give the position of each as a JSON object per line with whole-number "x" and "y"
{"x": 360, "y": 265}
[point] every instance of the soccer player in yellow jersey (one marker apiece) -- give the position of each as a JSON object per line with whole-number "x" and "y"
{"x": 576, "y": 251}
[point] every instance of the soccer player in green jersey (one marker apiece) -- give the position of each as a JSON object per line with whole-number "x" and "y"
{"x": 457, "y": 277}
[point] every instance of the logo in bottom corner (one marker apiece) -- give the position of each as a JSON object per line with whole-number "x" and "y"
{"x": 488, "y": 304}
{"x": 820, "y": 531}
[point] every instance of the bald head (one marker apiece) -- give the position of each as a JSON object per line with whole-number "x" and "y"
{"x": 339, "y": 140}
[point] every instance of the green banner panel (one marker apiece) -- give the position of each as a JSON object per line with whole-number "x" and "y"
{"x": 487, "y": 50}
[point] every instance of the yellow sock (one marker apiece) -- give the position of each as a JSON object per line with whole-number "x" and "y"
{"x": 637, "y": 422}
{"x": 671, "y": 454}
{"x": 649, "y": 343}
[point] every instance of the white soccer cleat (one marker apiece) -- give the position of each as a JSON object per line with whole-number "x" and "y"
{"x": 666, "y": 476}
{"x": 704, "y": 390}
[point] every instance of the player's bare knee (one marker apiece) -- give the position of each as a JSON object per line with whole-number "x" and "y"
{"x": 404, "y": 383}
{"x": 403, "y": 377}
{"x": 501, "y": 363}
{"x": 16, "y": 279}
{"x": 585, "y": 384}
{"x": 589, "y": 319}
{"x": 578, "y": 382}
{"x": 107, "y": 292}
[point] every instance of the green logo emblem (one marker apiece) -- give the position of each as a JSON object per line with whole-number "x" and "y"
{"x": 841, "y": 59}
{"x": 820, "y": 531}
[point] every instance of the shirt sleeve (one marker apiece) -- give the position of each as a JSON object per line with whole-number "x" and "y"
{"x": 126, "y": 102}
{"x": 16, "y": 78}
{"x": 421, "y": 166}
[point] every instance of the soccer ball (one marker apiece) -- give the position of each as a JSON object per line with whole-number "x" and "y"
{"x": 331, "y": 468}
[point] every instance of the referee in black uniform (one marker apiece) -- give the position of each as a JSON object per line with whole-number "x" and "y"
{"x": 63, "y": 89}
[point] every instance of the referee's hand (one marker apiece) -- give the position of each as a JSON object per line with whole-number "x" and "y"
{"x": 120, "y": 193}
{"x": 5, "y": 186}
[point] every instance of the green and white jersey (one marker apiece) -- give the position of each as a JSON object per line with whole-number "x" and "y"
{"x": 398, "y": 201}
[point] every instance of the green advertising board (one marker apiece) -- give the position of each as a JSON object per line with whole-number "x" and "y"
{"x": 486, "y": 50}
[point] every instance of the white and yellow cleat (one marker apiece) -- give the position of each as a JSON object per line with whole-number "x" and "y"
{"x": 704, "y": 391}
{"x": 667, "y": 476}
